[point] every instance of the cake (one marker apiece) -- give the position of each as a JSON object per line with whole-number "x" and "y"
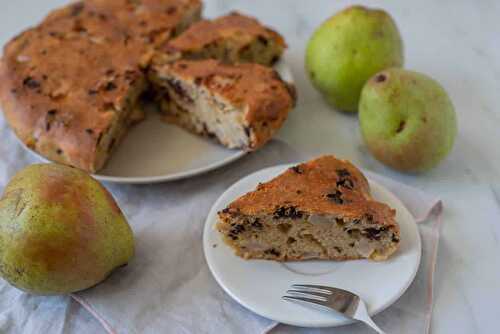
{"x": 234, "y": 38}
{"x": 321, "y": 209}
{"x": 72, "y": 86}
{"x": 69, "y": 87}
{"x": 240, "y": 105}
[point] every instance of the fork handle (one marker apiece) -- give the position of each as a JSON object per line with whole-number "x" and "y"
{"x": 362, "y": 315}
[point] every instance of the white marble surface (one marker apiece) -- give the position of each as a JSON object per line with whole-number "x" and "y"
{"x": 455, "y": 41}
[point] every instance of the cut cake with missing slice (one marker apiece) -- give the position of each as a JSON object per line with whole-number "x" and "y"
{"x": 321, "y": 209}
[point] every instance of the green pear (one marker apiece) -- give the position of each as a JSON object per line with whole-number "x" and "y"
{"x": 407, "y": 120}
{"x": 348, "y": 49}
{"x": 61, "y": 231}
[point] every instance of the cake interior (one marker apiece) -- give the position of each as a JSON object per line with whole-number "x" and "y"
{"x": 196, "y": 109}
{"x": 293, "y": 235}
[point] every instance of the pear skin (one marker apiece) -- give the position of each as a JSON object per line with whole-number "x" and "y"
{"x": 407, "y": 120}
{"x": 61, "y": 231}
{"x": 348, "y": 49}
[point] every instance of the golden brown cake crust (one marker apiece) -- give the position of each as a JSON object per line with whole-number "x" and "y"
{"x": 65, "y": 82}
{"x": 266, "y": 98}
{"x": 242, "y": 29}
{"x": 312, "y": 187}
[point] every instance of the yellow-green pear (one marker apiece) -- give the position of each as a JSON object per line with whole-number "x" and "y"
{"x": 407, "y": 120}
{"x": 61, "y": 231}
{"x": 348, "y": 49}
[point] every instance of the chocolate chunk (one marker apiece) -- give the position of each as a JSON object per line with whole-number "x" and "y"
{"x": 343, "y": 172}
{"x": 373, "y": 233}
{"x": 89, "y": 131}
{"x": 287, "y": 212}
{"x": 110, "y": 86}
{"x": 272, "y": 251}
{"x": 346, "y": 183}
{"x": 297, "y": 169}
{"x": 176, "y": 86}
{"x": 336, "y": 197}
{"x": 31, "y": 83}
{"x": 237, "y": 229}
{"x": 257, "y": 224}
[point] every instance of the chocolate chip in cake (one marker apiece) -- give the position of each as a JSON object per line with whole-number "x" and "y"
{"x": 198, "y": 81}
{"x": 92, "y": 92}
{"x": 110, "y": 86}
{"x": 247, "y": 131}
{"x": 346, "y": 183}
{"x": 338, "y": 249}
{"x": 343, "y": 172}
{"x": 287, "y": 212}
{"x": 395, "y": 238}
{"x": 351, "y": 244}
{"x": 373, "y": 233}
{"x": 256, "y": 224}
{"x": 336, "y": 197}
{"x": 89, "y": 131}
{"x": 272, "y": 251}
{"x": 31, "y": 83}
{"x": 297, "y": 169}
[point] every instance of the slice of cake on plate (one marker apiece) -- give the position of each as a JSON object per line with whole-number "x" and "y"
{"x": 321, "y": 209}
{"x": 241, "y": 105}
{"x": 233, "y": 38}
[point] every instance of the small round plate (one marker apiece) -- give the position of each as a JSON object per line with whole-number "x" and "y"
{"x": 259, "y": 285}
{"x": 154, "y": 151}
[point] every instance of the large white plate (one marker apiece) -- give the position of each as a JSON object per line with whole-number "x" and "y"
{"x": 258, "y": 285}
{"x": 154, "y": 151}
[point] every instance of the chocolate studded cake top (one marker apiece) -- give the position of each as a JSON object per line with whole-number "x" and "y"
{"x": 322, "y": 186}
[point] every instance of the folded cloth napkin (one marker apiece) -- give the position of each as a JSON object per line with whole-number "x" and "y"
{"x": 167, "y": 288}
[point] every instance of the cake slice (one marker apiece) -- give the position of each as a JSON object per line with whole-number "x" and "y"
{"x": 241, "y": 106}
{"x": 233, "y": 38}
{"x": 321, "y": 209}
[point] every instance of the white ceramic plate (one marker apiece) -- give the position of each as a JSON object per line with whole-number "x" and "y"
{"x": 154, "y": 151}
{"x": 258, "y": 285}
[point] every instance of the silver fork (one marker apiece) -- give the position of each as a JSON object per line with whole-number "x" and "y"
{"x": 345, "y": 302}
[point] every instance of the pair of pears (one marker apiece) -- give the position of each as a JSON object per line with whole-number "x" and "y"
{"x": 61, "y": 231}
{"x": 355, "y": 60}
